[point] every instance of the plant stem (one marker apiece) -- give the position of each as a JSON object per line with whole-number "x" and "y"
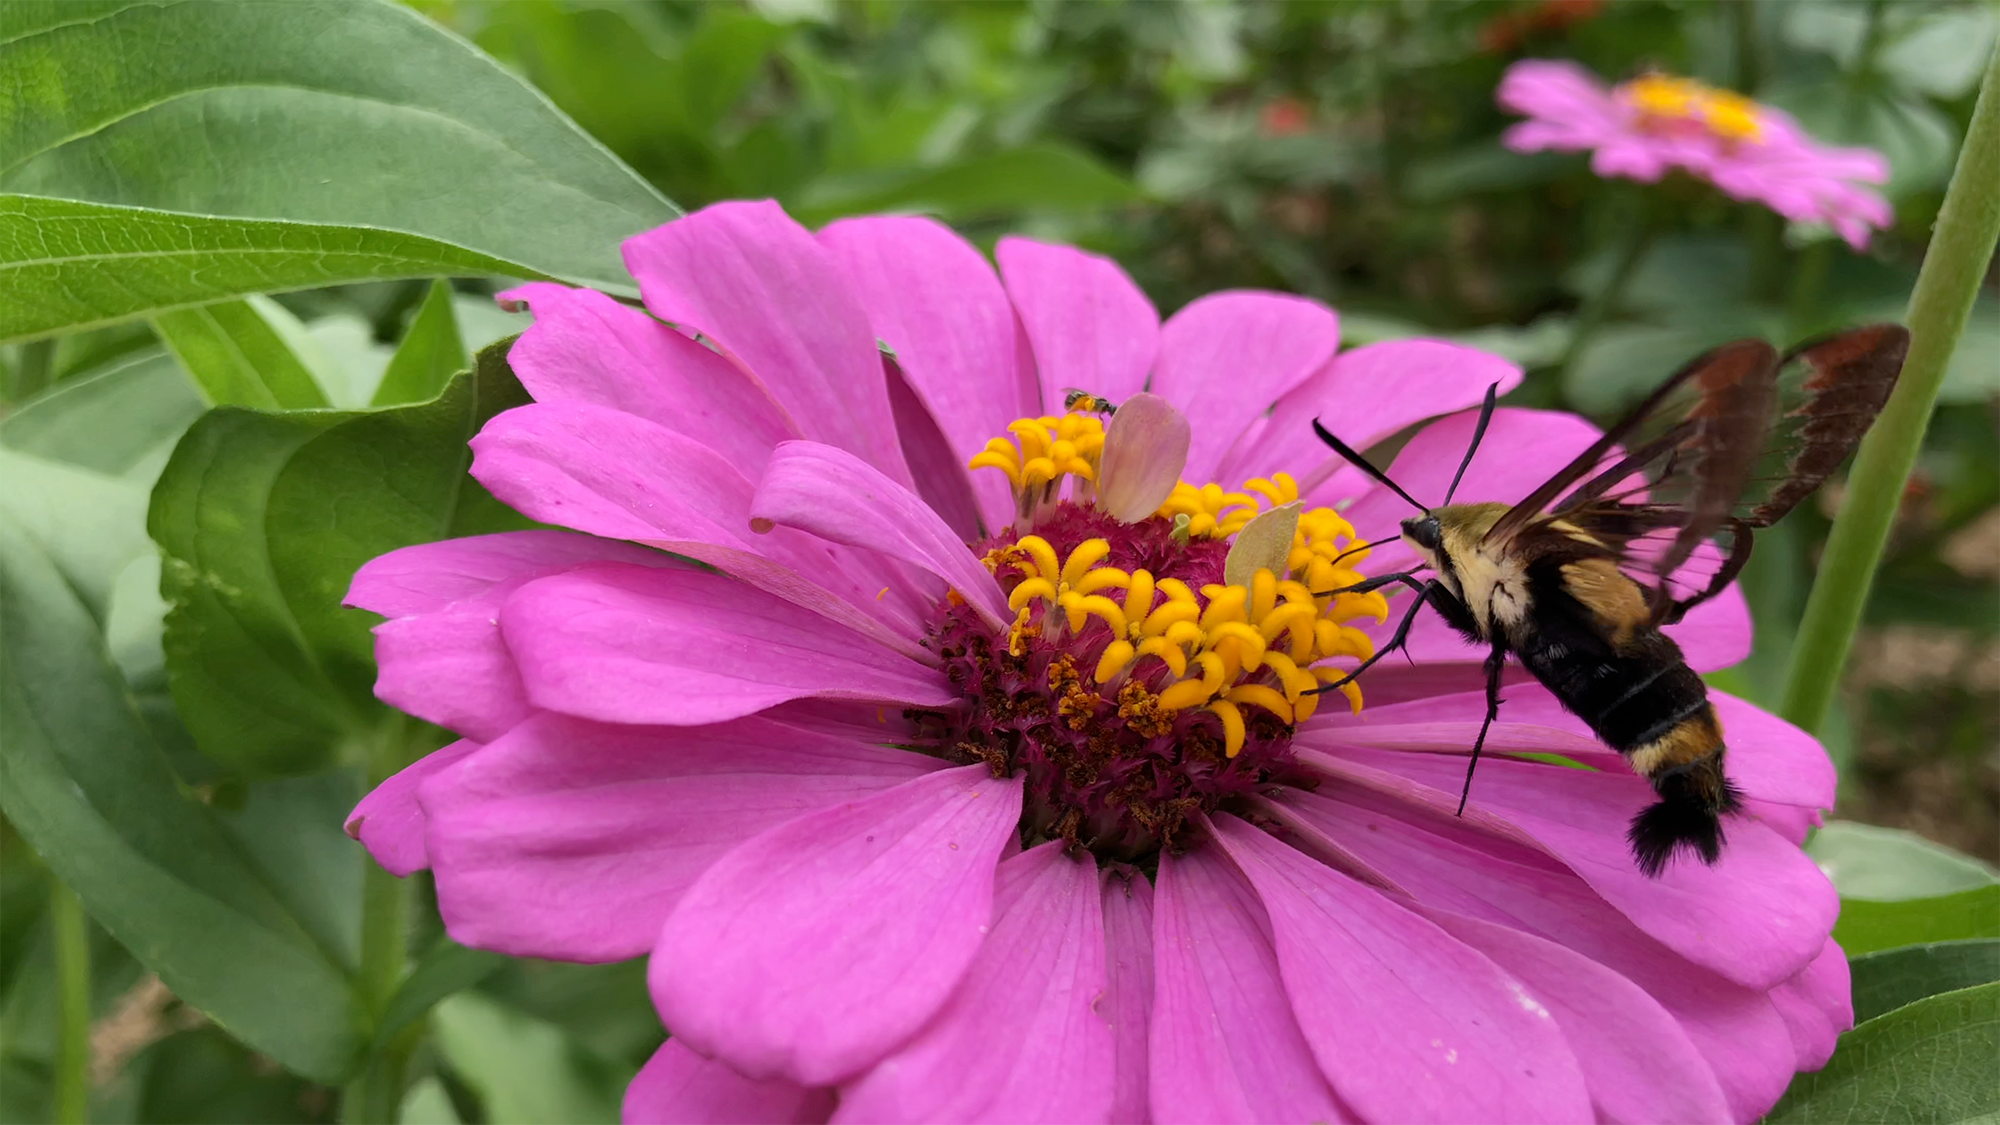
{"x": 1749, "y": 74}
{"x": 72, "y": 1067}
{"x": 375, "y": 1095}
{"x": 1961, "y": 245}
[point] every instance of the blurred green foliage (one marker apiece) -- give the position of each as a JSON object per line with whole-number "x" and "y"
{"x": 1344, "y": 149}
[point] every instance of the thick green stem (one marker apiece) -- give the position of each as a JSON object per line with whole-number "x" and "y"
{"x": 1961, "y": 246}
{"x": 376, "y": 1093}
{"x": 72, "y": 1073}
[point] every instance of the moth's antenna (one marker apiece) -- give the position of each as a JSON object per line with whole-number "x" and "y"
{"x": 1365, "y": 546}
{"x": 1356, "y": 460}
{"x": 1478, "y": 432}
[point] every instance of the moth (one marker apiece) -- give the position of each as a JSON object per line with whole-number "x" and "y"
{"x": 1576, "y": 589}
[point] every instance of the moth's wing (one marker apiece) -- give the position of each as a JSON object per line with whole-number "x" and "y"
{"x": 1754, "y": 440}
{"x": 1832, "y": 390}
{"x": 1656, "y": 431}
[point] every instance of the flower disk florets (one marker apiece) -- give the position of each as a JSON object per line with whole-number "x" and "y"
{"x": 1154, "y": 669}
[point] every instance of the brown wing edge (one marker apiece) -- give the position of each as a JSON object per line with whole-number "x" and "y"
{"x": 1853, "y": 373}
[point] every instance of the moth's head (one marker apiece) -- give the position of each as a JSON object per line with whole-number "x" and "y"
{"x": 1424, "y": 533}
{"x": 1448, "y": 532}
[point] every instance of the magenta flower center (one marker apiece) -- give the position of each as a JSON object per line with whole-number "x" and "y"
{"x": 1154, "y": 669}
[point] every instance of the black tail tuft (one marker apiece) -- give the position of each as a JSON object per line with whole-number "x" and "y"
{"x": 1684, "y": 818}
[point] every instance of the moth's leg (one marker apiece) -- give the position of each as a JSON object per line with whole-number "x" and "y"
{"x": 1496, "y": 662}
{"x": 1402, "y": 627}
{"x": 1376, "y": 583}
{"x": 1732, "y": 565}
{"x": 1453, "y": 611}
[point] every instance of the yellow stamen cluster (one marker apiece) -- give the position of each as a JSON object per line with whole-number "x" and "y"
{"x": 1044, "y": 450}
{"x": 1215, "y": 514}
{"x": 1726, "y": 114}
{"x": 1229, "y": 647}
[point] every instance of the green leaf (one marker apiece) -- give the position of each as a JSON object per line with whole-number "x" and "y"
{"x": 1889, "y": 979}
{"x": 429, "y": 355}
{"x": 82, "y": 781}
{"x": 448, "y": 968}
{"x": 1925, "y": 1062}
{"x": 353, "y": 114}
{"x": 90, "y": 525}
{"x": 122, "y": 417}
{"x": 263, "y": 520}
{"x": 1866, "y": 926}
{"x": 427, "y": 1103}
{"x": 527, "y": 1072}
{"x": 67, "y": 265}
{"x": 1887, "y": 864}
{"x": 239, "y": 355}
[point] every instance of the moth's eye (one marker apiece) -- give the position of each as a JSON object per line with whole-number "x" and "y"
{"x": 1424, "y": 532}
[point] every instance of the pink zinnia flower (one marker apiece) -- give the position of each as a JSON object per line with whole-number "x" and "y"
{"x": 946, "y": 795}
{"x": 1640, "y": 129}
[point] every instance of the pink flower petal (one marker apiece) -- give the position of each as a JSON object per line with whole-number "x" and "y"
{"x": 747, "y": 275}
{"x": 389, "y": 822}
{"x": 452, "y": 668}
{"x": 1128, "y": 997}
{"x": 931, "y": 295}
{"x": 1020, "y": 1040}
{"x": 1757, "y": 916}
{"x": 838, "y": 497}
{"x": 815, "y": 948}
{"x": 622, "y": 477}
{"x": 679, "y": 1087}
{"x": 1817, "y": 1005}
{"x": 574, "y": 840}
{"x": 1483, "y": 868}
{"x": 431, "y": 576}
{"x": 586, "y": 347}
{"x": 1145, "y": 454}
{"x": 1407, "y": 1023}
{"x": 944, "y": 479}
{"x": 1226, "y": 357}
{"x": 441, "y": 657}
{"x": 625, "y": 644}
{"x": 1225, "y": 1047}
{"x": 1772, "y": 759}
{"x": 1089, "y": 326}
{"x": 1364, "y": 396}
{"x": 1637, "y": 1061}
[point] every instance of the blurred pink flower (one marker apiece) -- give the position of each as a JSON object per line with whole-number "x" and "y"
{"x": 1640, "y": 129}
{"x": 912, "y": 839}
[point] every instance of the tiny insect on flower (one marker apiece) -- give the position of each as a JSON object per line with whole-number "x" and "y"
{"x": 940, "y": 792}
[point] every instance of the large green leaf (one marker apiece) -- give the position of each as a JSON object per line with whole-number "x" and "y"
{"x": 263, "y": 520}
{"x": 1931, "y": 1061}
{"x": 66, "y": 265}
{"x": 1865, "y": 925}
{"x": 82, "y": 781}
{"x": 1887, "y": 864}
{"x": 1892, "y": 978}
{"x": 353, "y": 114}
{"x": 120, "y": 418}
